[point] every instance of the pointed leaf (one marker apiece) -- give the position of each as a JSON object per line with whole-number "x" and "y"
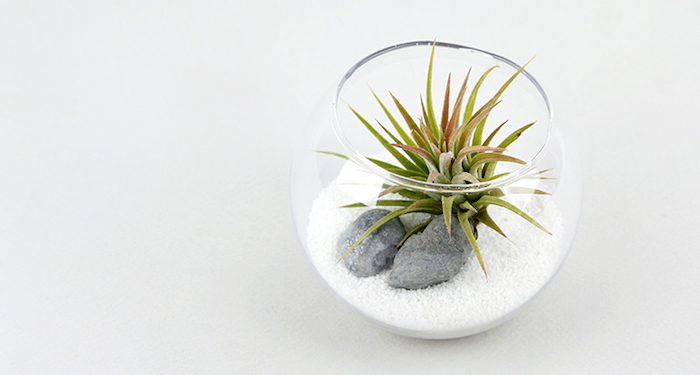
{"x": 457, "y": 165}
{"x": 508, "y": 82}
{"x": 418, "y": 151}
{"x": 487, "y": 200}
{"x": 427, "y": 205}
{"x": 390, "y": 190}
{"x": 515, "y": 135}
{"x": 420, "y": 140}
{"x": 398, "y": 127}
{"x": 465, "y": 131}
{"x": 392, "y": 168}
{"x": 475, "y": 149}
{"x": 452, "y": 125}
{"x": 483, "y": 217}
{"x": 446, "y": 106}
{"x": 464, "y": 222}
{"x": 516, "y": 190}
{"x": 434, "y": 141}
{"x": 332, "y": 154}
{"x": 494, "y": 98}
{"x": 466, "y": 206}
{"x": 494, "y": 177}
{"x": 390, "y": 134}
{"x": 491, "y": 168}
{"x": 406, "y": 116}
{"x": 402, "y": 159}
{"x": 447, "y": 212}
{"x": 487, "y": 158}
{"x": 416, "y": 160}
{"x": 410, "y": 194}
{"x": 429, "y": 96}
{"x": 472, "y": 98}
{"x": 490, "y": 137}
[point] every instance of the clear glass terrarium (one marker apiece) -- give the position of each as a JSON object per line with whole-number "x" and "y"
{"x": 519, "y": 267}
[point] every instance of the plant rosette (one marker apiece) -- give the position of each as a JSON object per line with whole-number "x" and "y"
{"x": 435, "y": 210}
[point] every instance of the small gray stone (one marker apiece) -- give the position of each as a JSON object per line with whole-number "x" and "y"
{"x": 430, "y": 257}
{"x": 376, "y": 251}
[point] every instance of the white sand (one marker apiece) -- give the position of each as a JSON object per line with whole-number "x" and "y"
{"x": 516, "y": 271}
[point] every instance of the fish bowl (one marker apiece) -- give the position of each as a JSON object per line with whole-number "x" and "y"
{"x": 435, "y": 134}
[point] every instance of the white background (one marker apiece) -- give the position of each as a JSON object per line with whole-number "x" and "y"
{"x": 144, "y": 166}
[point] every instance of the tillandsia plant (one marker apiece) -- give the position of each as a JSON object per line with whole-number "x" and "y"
{"x": 448, "y": 151}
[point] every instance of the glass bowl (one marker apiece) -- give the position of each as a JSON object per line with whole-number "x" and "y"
{"x": 518, "y": 268}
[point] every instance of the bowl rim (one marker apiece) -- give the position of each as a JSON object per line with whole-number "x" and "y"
{"x": 502, "y": 181}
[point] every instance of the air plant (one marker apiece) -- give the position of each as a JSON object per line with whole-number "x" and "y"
{"x": 448, "y": 151}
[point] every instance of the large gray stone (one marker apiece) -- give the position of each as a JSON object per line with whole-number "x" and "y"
{"x": 431, "y": 257}
{"x": 376, "y": 251}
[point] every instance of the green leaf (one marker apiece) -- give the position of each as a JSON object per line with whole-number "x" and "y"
{"x": 504, "y": 86}
{"x": 390, "y": 134}
{"x": 427, "y": 132}
{"x": 490, "y": 137}
{"x": 447, "y": 212}
{"x": 406, "y": 116}
{"x": 464, "y": 222}
{"x": 410, "y": 194}
{"x": 487, "y": 200}
{"x": 472, "y": 98}
{"x": 487, "y": 158}
{"x": 332, "y": 154}
{"x": 460, "y": 138}
{"x": 515, "y": 190}
{"x": 538, "y": 175}
{"x": 514, "y": 135}
{"x": 483, "y": 217}
{"x": 466, "y": 206}
{"x": 427, "y": 205}
{"x": 494, "y": 177}
{"x": 416, "y": 160}
{"x": 402, "y": 159}
{"x": 429, "y": 95}
{"x": 398, "y": 127}
{"x": 446, "y": 107}
{"x": 420, "y": 140}
{"x": 390, "y": 189}
{"x": 494, "y": 98}
{"x": 490, "y": 169}
{"x": 471, "y": 150}
{"x": 418, "y": 151}
{"x": 392, "y": 168}
{"x": 452, "y": 125}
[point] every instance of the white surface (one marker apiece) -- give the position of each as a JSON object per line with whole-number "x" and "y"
{"x": 144, "y": 223}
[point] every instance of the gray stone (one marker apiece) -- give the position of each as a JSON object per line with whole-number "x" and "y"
{"x": 430, "y": 257}
{"x": 376, "y": 252}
